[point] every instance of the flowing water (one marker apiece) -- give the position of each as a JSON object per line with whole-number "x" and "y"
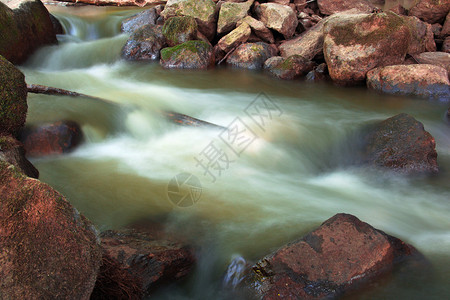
{"x": 290, "y": 178}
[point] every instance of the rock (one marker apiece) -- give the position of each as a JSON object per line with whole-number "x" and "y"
{"x": 204, "y": 12}
{"x": 309, "y": 44}
{"x": 189, "y": 55}
{"x": 420, "y": 80}
{"x": 446, "y": 28}
{"x": 135, "y": 263}
{"x": 147, "y": 17}
{"x": 441, "y": 59}
{"x": 446, "y": 45}
{"x": 400, "y": 144}
{"x": 430, "y": 11}
{"x": 13, "y": 98}
{"x": 12, "y": 151}
{"x": 57, "y": 26}
{"x": 422, "y": 38}
{"x": 51, "y": 139}
{"x": 232, "y": 40}
{"x": 144, "y": 44}
{"x": 251, "y": 55}
{"x": 399, "y": 10}
{"x": 357, "y": 43}
{"x": 330, "y": 7}
{"x": 49, "y": 250}
{"x": 290, "y": 68}
{"x": 258, "y": 28}
{"x": 273, "y": 62}
{"x": 24, "y": 28}
{"x": 318, "y": 74}
{"x": 339, "y": 256}
{"x": 230, "y": 13}
{"x": 178, "y": 30}
{"x": 279, "y": 17}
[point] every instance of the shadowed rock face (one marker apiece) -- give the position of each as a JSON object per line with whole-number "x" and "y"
{"x": 49, "y": 250}
{"x": 144, "y": 44}
{"x": 430, "y": 11}
{"x": 12, "y": 151}
{"x": 327, "y": 262}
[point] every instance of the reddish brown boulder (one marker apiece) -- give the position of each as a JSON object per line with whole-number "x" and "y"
{"x": 422, "y": 37}
{"x": 420, "y": 80}
{"x": 430, "y": 11}
{"x": 279, "y": 17}
{"x": 24, "y": 27}
{"x": 446, "y": 28}
{"x": 357, "y": 43}
{"x": 147, "y": 17}
{"x": 49, "y": 250}
{"x": 342, "y": 254}
{"x": 13, "y": 98}
{"x": 51, "y": 139}
{"x": 135, "y": 263}
{"x": 441, "y": 59}
{"x": 446, "y": 45}
{"x": 290, "y": 68}
{"x": 400, "y": 144}
{"x": 144, "y": 44}
{"x": 12, "y": 151}
{"x": 330, "y": 7}
{"x": 251, "y": 55}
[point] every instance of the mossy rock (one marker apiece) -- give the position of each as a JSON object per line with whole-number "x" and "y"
{"x": 13, "y": 98}
{"x": 178, "y": 30}
{"x": 230, "y": 13}
{"x": 189, "y": 55}
{"x": 144, "y": 44}
{"x": 292, "y": 67}
{"x": 251, "y": 55}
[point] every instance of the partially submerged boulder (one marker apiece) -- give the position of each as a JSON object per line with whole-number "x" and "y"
{"x": 13, "y": 152}
{"x": 144, "y": 44}
{"x": 52, "y": 138}
{"x": 49, "y": 250}
{"x": 24, "y": 27}
{"x": 400, "y": 144}
{"x": 281, "y": 18}
{"x": 430, "y": 11}
{"x": 13, "y": 98}
{"x": 147, "y": 17}
{"x": 135, "y": 263}
{"x": 230, "y": 13}
{"x": 357, "y": 43}
{"x": 178, "y": 30}
{"x": 421, "y": 80}
{"x": 340, "y": 255}
{"x": 189, "y": 55}
{"x": 291, "y": 67}
{"x": 251, "y": 55}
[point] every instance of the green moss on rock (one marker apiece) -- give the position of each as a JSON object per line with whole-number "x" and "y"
{"x": 189, "y": 55}
{"x": 178, "y": 30}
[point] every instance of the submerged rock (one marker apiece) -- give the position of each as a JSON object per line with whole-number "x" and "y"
{"x": 430, "y": 11}
{"x": 355, "y": 44}
{"x": 178, "y": 30}
{"x": 290, "y": 68}
{"x": 13, "y": 152}
{"x": 400, "y": 144}
{"x": 49, "y": 250}
{"x": 427, "y": 81}
{"x": 144, "y": 44}
{"x": 13, "y": 98}
{"x": 251, "y": 55}
{"x": 279, "y": 17}
{"x": 51, "y": 139}
{"x": 189, "y": 55}
{"x": 24, "y": 28}
{"x": 230, "y": 13}
{"x": 147, "y": 17}
{"x": 135, "y": 263}
{"x": 338, "y": 256}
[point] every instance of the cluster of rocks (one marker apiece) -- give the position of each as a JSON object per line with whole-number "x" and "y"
{"x": 351, "y": 42}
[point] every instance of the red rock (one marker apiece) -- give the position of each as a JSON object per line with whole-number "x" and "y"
{"x": 330, "y": 7}
{"x": 420, "y": 80}
{"x": 338, "y": 256}
{"x": 49, "y": 250}
{"x": 251, "y": 55}
{"x": 280, "y": 18}
{"x": 12, "y": 151}
{"x": 446, "y": 27}
{"x": 440, "y": 59}
{"x": 446, "y": 45}
{"x": 430, "y": 11}
{"x": 51, "y": 139}
{"x": 135, "y": 263}
{"x": 422, "y": 37}
{"x": 400, "y": 144}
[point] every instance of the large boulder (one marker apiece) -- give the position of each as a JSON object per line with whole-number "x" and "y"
{"x": 258, "y": 28}
{"x": 441, "y": 59}
{"x": 144, "y": 44}
{"x": 51, "y": 139}
{"x": 49, "y": 250}
{"x": 135, "y": 263}
{"x": 230, "y": 13}
{"x": 13, "y": 98}
{"x": 178, "y": 30}
{"x": 281, "y": 18}
{"x": 12, "y": 151}
{"x": 330, "y": 7}
{"x": 309, "y": 44}
{"x": 291, "y": 67}
{"x": 24, "y": 27}
{"x": 339, "y": 256}
{"x": 232, "y": 40}
{"x": 357, "y": 43}
{"x": 400, "y": 144}
{"x": 204, "y": 12}
{"x": 430, "y": 11}
{"x": 422, "y": 37}
{"x": 189, "y": 55}
{"x": 421, "y": 80}
{"x": 251, "y": 55}
{"x": 147, "y": 17}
